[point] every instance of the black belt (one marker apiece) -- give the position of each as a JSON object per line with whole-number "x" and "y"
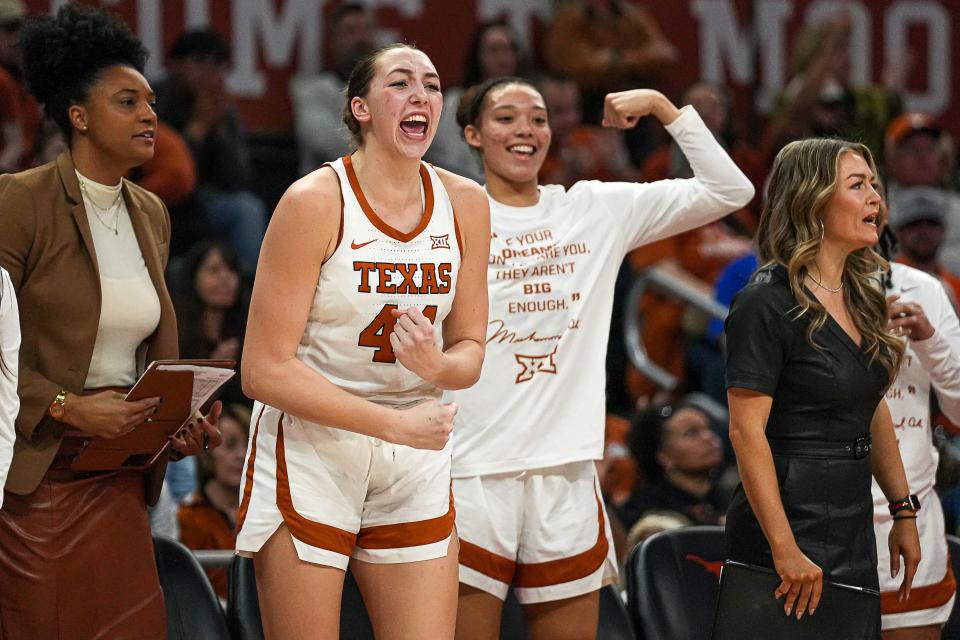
{"x": 795, "y": 448}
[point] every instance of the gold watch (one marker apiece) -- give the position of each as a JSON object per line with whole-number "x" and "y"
{"x": 57, "y": 408}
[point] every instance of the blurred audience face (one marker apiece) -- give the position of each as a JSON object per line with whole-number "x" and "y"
{"x": 920, "y": 241}
{"x": 563, "y": 100}
{"x": 710, "y": 103}
{"x": 227, "y": 459}
{"x": 828, "y": 117}
{"x": 352, "y": 36}
{"x": 851, "y": 218}
{"x": 514, "y": 134}
{"x": 202, "y": 74}
{"x": 689, "y": 445}
{"x": 217, "y": 284}
{"x": 916, "y": 161}
{"x": 497, "y": 53}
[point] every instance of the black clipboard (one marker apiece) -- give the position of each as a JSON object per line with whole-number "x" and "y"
{"x": 746, "y": 608}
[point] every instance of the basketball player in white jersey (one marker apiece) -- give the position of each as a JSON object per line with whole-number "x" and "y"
{"x": 920, "y": 311}
{"x": 370, "y": 298}
{"x": 529, "y": 512}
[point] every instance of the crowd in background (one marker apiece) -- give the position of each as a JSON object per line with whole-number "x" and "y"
{"x": 668, "y": 460}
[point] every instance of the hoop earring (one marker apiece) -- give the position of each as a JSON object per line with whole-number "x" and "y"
{"x": 822, "y": 230}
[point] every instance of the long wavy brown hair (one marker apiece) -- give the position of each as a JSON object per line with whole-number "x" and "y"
{"x": 803, "y": 179}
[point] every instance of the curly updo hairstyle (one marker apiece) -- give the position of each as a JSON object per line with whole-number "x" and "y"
{"x": 63, "y": 55}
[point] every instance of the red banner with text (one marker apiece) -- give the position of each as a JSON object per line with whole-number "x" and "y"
{"x": 741, "y": 43}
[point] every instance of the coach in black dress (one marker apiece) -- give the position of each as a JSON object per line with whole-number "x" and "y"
{"x": 818, "y": 397}
{"x": 809, "y": 356}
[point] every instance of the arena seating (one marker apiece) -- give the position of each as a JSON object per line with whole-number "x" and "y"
{"x": 193, "y": 609}
{"x": 243, "y": 611}
{"x": 672, "y": 582}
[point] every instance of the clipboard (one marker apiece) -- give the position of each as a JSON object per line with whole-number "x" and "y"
{"x": 746, "y": 608}
{"x": 140, "y": 448}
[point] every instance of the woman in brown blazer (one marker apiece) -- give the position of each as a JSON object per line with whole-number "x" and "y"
{"x": 86, "y": 251}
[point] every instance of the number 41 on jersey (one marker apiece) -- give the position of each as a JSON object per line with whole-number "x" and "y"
{"x": 377, "y": 333}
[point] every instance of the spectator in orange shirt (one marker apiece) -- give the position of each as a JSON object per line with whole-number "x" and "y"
{"x": 172, "y": 173}
{"x": 208, "y": 518}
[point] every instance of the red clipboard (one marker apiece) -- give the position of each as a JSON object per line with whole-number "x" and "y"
{"x": 140, "y": 448}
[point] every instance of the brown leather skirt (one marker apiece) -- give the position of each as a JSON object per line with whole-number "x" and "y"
{"x": 76, "y": 561}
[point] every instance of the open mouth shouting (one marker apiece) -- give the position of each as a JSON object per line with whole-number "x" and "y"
{"x": 872, "y": 219}
{"x": 415, "y": 126}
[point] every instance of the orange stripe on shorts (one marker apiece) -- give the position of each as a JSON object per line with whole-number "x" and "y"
{"x": 487, "y": 562}
{"x": 408, "y": 534}
{"x": 545, "y": 574}
{"x": 315, "y": 534}
{"x": 248, "y": 484}
{"x": 929, "y": 596}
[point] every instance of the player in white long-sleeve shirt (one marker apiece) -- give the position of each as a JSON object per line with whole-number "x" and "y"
{"x": 9, "y": 352}
{"x": 922, "y": 313}
{"x": 529, "y": 512}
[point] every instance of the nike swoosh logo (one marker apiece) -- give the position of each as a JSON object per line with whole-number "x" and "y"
{"x": 354, "y": 245}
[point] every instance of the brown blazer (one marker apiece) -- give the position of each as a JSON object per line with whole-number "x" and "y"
{"x": 46, "y": 245}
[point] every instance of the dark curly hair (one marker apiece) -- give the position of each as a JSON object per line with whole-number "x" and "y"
{"x": 63, "y": 55}
{"x": 648, "y": 434}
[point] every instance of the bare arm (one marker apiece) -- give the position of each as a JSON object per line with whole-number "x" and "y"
{"x": 302, "y": 234}
{"x": 887, "y": 468}
{"x": 802, "y": 579}
{"x": 885, "y": 462}
{"x": 458, "y": 365}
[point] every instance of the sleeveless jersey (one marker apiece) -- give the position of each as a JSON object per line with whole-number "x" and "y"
{"x": 373, "y": 270}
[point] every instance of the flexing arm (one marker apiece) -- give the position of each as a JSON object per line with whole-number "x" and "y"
{"x": 458, "y": 365}
{"x": 302, "y": 233}
{"x": 657, "y": 210}
{"x": 802, "y": 579}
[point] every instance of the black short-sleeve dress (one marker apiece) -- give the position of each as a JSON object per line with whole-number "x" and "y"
{"x": 818, "y": 430}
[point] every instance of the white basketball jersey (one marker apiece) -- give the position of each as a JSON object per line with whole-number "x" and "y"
{"x": 375, "y": 269}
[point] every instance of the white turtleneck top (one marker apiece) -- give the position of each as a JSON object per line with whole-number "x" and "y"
{"x": 130, "y": 307}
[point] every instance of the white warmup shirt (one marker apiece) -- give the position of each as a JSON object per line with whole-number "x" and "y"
{"x": 540, "y": 398}
{"x": 376, "y": 268}
{"x": 10, "y": 348}
{"x": 929, "y": 365}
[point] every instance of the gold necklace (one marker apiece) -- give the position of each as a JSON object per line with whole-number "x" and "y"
{"x": 825, "y": 287}
{"x": 99, "y": 212}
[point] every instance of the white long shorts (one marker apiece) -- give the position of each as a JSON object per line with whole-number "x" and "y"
{"x": 543, "y": 532}
{"x": 934, "y": 586}
{"x": 342, "y": 494}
